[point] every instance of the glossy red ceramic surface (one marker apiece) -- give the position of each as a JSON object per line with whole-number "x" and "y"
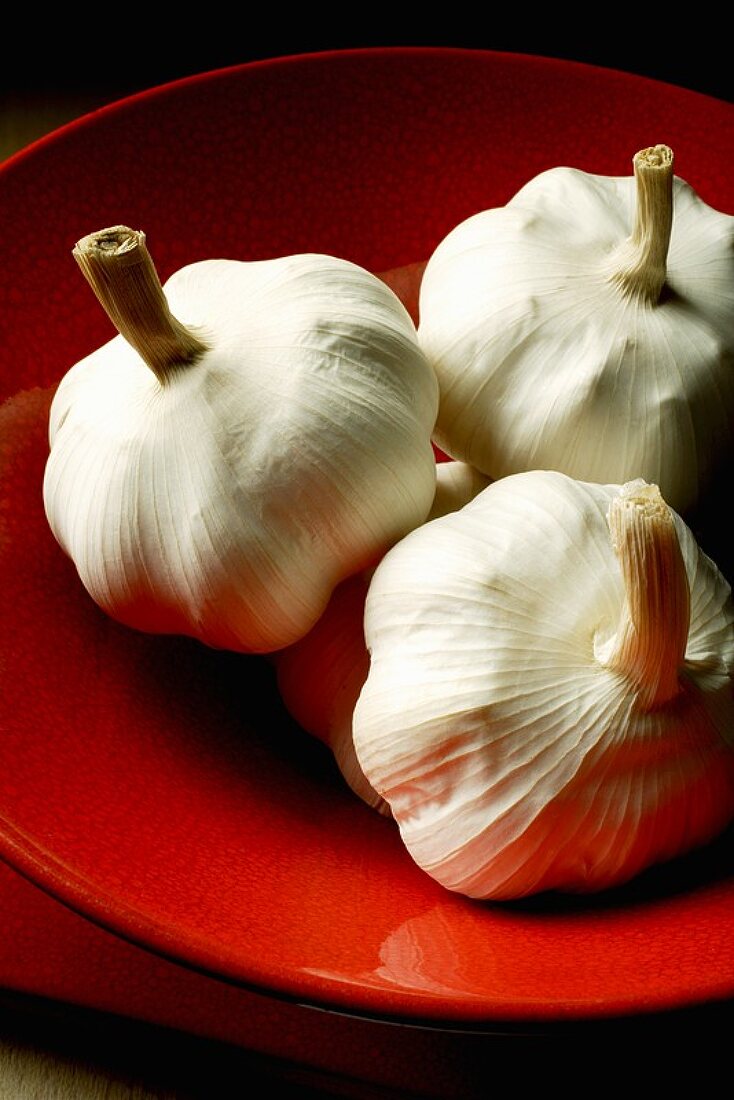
{"x": 158, "y": 787}
{"x": 48, "y": 950}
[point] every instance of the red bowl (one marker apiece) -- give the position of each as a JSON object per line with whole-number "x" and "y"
{"x": 159, "y": 788}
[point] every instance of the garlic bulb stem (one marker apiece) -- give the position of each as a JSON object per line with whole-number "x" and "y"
{"x": 651, "y": 641}
{"x": 641, "y": 263}
{"x": 118, "y": 267}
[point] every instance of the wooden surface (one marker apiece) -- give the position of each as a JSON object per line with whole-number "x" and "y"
{"x": 26, "y": 116}
{"x": 51, "y": 1051}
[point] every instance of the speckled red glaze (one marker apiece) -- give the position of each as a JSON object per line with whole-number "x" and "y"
{"x": 159, "y": 788}
{"x": 50, "y": 951}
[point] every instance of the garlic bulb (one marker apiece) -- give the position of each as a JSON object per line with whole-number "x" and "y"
{"x": 259, "y": 432}
{"x": 549, "y": 702}
{"x": 563, "y": 342}
{"x": 321, "y": 676}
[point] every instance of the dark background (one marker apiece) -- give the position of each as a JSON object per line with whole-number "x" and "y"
{"x": 55, "y": 54}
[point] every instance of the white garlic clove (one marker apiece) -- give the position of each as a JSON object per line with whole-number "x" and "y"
{"x": 522, "y": 741}
{"x": 321, "y": 676}
{"x": 587, "y": 327}
{"x": 262, "y": 433}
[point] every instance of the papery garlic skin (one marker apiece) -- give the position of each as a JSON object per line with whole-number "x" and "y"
{"x": 515, "y": 755}
{"x": 551, "y": 354}
{"x": 320, "y": 676}
{"x": 228, "y": 501}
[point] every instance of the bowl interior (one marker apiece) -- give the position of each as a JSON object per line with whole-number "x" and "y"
{"x": 159, "y": 787}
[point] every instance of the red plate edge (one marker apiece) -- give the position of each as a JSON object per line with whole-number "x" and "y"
{"x": 73, "y": 891}
{"x": 561, "y": 64}
{"x": 42, "y": 867}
